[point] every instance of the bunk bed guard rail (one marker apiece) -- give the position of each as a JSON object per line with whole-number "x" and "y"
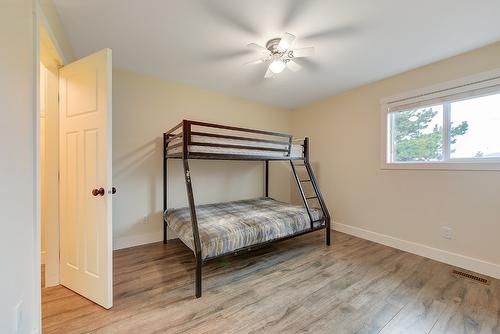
{"x": 200, "y": 140}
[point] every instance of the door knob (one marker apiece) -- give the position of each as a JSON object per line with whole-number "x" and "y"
{"x": 99, "y": 191}
{"x": 113, "y": 190}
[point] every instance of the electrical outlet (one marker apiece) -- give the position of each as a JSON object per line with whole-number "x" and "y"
{"x": 447, "y": 232}
{"x": 18, "y": 320}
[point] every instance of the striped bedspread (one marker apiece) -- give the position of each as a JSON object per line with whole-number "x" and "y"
{"x": 225, "y": 227}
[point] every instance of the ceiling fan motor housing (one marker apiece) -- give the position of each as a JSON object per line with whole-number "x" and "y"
{"x": 273, "y": 45}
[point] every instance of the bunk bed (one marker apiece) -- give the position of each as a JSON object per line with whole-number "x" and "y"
{"x": 215, "y": 230}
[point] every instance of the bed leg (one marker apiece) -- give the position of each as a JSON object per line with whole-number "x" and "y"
{"x": 164, "y": 232}
{"x": 328, "y": 232}
{"x": 165, "y": 187}
{"x": 198, "y": 276}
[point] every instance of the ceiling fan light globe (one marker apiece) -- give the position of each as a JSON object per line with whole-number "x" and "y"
{"x": 283, "y": 46}
{"x": 277, "y": 66}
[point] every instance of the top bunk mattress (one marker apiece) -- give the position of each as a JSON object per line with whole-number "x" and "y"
{"x": 226, "y": 227}
{"x": 295, "y": 152}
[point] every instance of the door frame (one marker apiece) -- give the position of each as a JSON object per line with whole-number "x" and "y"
{"x": 40, "y": 23}
{"x": 50, "y": 195}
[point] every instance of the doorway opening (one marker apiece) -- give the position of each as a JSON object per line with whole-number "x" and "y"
{"x": 75, "y": 152}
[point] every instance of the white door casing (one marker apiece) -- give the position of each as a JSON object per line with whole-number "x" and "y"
{"x": 85, "y": 89}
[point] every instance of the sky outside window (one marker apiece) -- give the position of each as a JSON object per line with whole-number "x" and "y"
{"x": 482, "y": 139}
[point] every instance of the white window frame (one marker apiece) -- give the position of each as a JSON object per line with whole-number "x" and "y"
{"x": 444, "y": 93}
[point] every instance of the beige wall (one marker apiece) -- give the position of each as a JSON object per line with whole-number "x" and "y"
{"x": 411, "y": 205}
{"x": 143, "y": 108}
{"x": 50, "y": 17}
{"x": 17, "y": 236}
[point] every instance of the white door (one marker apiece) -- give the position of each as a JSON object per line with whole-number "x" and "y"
{"x": 85, "y": 177}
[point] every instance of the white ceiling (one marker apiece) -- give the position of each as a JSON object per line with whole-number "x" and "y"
{"x": 203, "y": 42}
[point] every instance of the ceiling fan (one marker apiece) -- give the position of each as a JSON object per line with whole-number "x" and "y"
{"x": 278, "y": 51}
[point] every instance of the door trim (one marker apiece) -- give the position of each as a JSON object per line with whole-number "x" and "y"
{"x": 39, "y": 22}
{"x": 50, "y": 195}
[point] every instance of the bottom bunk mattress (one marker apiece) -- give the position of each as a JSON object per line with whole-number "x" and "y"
{"x": 226, "y": 227}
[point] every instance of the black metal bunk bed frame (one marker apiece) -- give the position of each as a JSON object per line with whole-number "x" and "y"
{"x": 186, "y": 133}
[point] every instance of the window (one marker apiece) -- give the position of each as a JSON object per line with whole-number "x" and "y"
{"x": 451, "y": 126}
{"x": 475, "y": 126}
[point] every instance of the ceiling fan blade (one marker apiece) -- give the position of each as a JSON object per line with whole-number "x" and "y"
{"x": 257, "y": 47}
{"x": 303, "y": 52}
{"x": 293, "y": 66}
{"x": 255, "y": 62}
{"x": 286, "y": 41}
{"x": 269, "y": 74}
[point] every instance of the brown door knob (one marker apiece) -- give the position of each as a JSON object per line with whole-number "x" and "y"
{"x": 99, "y": 191}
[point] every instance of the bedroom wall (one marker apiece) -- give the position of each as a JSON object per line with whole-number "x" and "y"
{"x": 403, "y": 208}
{"x": 143, "y": 108}
{"x": 56, "y": 31}
{"x": 17, "y": 210}
{"x": 20, "y": 279}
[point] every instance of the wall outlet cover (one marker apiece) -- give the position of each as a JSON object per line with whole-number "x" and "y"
{"x": 447, "y": 232}
{"x": 18, "y": 316}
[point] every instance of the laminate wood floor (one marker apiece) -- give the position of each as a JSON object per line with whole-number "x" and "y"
{"x": 299, "y": 285}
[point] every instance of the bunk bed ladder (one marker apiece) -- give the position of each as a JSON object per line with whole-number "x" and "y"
{"x": 311, "y": 178}
{"x": 302, "y": 194}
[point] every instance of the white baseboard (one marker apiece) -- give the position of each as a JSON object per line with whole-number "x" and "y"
{"x": 454, "y": 259}
{"x": 137, "y": 240}
{"x": 51, "y": 281}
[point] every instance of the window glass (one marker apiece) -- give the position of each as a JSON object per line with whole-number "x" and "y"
{"x": 417, "y": 134}
{"x": 475, "y": 128}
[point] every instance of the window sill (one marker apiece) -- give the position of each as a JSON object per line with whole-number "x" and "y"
{"x": 468, "y": 166}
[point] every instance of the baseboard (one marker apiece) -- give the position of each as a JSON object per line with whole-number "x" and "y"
{"x": 51, "y": 281}
{"x": 137, "y": 240}
{"x": 454, "y": 259}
